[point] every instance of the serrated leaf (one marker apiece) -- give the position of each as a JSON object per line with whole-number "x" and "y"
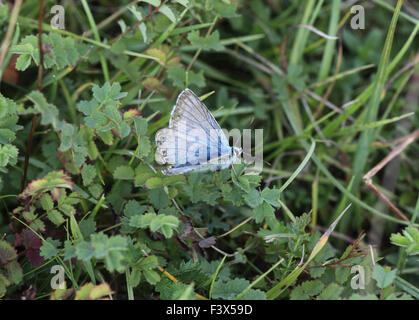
{"x": 253, "y": 198}
{"x": 342, "y": 274}
{"x": 140, "y": 125}
{"x": 49, "y": 248}
{"x": 124, "y": 173}
{"x": 8, "y": 155}
{"x": 298, "y": 294}
{"x": 262, "y": 211}
{"x": 7, "y": 252}
{"x": 153, "y": 182}
{"x": 145, "y": 146}
{"x": 312, "y": 288}
{"x": 96, "y": 190}
{"x": 134, "y": 277}
{"x": 56, "y": 217}
{"x": 23, "y": 62}
{"x": 211, "y": 42}
{"x": 331, "y": 292}
{"x": 178, "y": 75}
{"x": 383, "y": 276}
{"x": 149, "y": 262}
{"x": 230, "y": 289}
{"x": 151, "y": 276}
{"x": 159, "y": 198}
{"x": 53, "y": 180}
{"x": 87, "y": 227}
{"x": 46, "y": 202}
{"x": 271, "y": 196}
{"x": 15, "y": 272}
{"x": 88, "y": 173}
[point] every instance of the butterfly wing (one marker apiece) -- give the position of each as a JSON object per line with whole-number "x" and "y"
{"x": 193, "y": 139}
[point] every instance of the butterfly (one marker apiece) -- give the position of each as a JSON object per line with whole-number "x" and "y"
{"x": 194, "y": 141}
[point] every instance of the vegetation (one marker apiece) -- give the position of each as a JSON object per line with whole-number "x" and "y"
{"x": 83, "y": 200}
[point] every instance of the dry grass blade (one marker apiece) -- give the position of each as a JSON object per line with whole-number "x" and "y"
{"x": 407, "y": 140}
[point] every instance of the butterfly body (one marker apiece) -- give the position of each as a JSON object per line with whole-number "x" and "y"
{"x": 194, "y": 141}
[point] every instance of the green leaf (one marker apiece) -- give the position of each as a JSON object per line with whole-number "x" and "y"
{"x": 8, "y": 155}
{"x": 331, "y": 292}
{"x": 157, "y": 223}
{"x": 262, "y": 211}
{"x": 149, "y": 262}
{"x": 49, "y": 248}
{"x": 383, "y": 276}
{"x": 151, "y": 276}
{"x": 87, "y": 227}
{"x": 145, "y": 146}
{"x": 25, "y": 48}
{"x": 55, "y": 217}
{"x": 154, "y": 182}
{"x": 46, "y": 202}
{"x": 342, "y": 274}
{"x": 271, "y": 196}
{"x": 133, "y": 208}
{"x": 184, "y": 3}
{"x": 178, "y": 76}
{"x": 135, "y": 277}
{"x": 140, "y": 125}
{"x": 298, "y": 294}
{"x": 15, "y": 272}
{"x": 307, "y": 289}
{"x": 242, "y": 182}
{"x": 312, "y": 288}
{"x": 168, "y": 12}
{"x": 88, "y": 173}
{"x": 124, "y": 173}
{"x": 110, "y": 249}
{"x": 23, "y": 62}
{"x": 409, "y": 240}
{"x": 154, "y": 3}
{"x": 253, "y": 198}
{"x": 159, "y": 198}
{"x": 7, "y": 252}
{"x": 138, "y": 15}
{"x": 230, "y": 289}
{"x": 52, "y": 181}
{"x": 211, "y": 42}
{"x": 67, "y": 209}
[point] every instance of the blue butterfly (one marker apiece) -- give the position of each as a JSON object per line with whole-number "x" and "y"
{"x": 194, "y": 141}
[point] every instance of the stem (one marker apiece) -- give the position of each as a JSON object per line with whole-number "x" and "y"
{"x": 97, "y": 38}
{"x": 39, "y": 87}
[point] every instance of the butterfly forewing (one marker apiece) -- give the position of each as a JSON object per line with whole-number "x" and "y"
{"x": 190, "y": 109}
{"x": 194, "y": 139}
